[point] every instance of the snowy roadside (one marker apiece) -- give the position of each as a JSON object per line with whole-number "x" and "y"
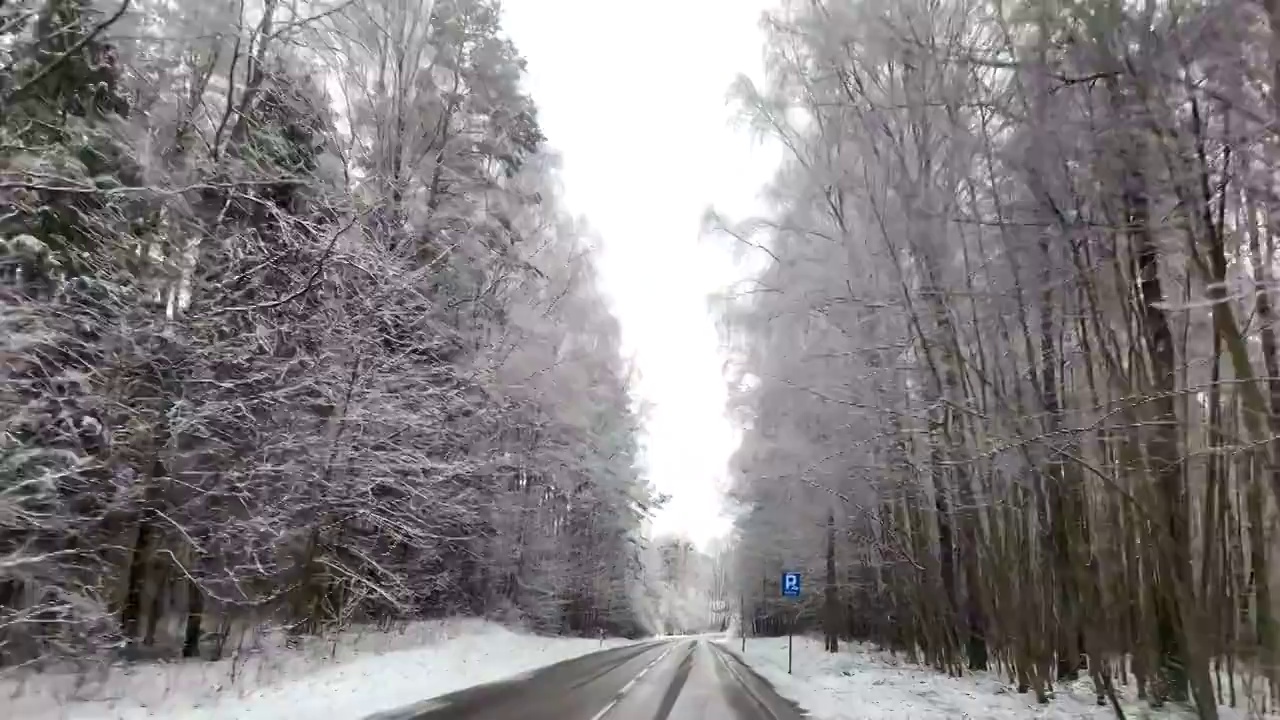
{"x": 864, "y": 684}
{"x": 346, "y": 680}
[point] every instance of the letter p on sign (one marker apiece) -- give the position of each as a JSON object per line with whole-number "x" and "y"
{"x": 791, "y": 584}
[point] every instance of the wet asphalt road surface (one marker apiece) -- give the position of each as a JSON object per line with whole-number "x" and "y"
{"x": 680, "y": 679}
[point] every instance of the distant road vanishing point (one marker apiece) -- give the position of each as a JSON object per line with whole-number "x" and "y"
{"x": 670, "y": 679}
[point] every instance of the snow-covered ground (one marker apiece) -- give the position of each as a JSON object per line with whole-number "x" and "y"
{"x": 859, "y": 683}
{"x": 346, "y": 679}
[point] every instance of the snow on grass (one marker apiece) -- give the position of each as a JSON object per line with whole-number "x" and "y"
{"x": 860, "y": 683}
{"x": 350, "y": 678}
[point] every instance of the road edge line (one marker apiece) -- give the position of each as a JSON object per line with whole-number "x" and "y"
{"x": 720, "y": 651}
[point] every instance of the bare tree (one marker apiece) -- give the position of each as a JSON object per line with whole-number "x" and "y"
{"x": 1005, "y": 324}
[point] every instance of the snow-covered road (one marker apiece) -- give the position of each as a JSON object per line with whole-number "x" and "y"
{"x": 679, "y": 679}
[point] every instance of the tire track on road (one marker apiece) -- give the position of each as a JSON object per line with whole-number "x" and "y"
{"x": 606, "y": 669}
{"x": 677, "y": 684}
{"x": 632, "y": 683}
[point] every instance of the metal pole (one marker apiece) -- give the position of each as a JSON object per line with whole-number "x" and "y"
{"x": 742, "y": 622}
{"x": 791, "y": 630}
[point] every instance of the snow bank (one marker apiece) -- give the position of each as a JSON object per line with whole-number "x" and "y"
{"x": 859, "y": 683}
{"x": 344, "y": 679}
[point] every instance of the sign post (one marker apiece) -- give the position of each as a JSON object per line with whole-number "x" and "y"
{"x": 790, "y": 589}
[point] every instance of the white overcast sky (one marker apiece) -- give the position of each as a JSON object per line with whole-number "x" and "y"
{"x": 633, "y": 96}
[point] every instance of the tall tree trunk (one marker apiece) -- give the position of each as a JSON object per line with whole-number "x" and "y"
{"x": 131, "y": 610}
{"x": 1163, "y": 451}
{"x": 831, "y": 608}
{"x": 1262, "y": 264}
{"x": 195, "y": 617}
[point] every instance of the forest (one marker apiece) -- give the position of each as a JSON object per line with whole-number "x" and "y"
{"x": 295, "y": 333}
{"x": 1007, "y": 366}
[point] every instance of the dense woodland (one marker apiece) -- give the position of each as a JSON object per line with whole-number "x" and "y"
{"x": 1008, "y": 371}
{"x": 685, "y": 589}
{"x": 294, "y": 333}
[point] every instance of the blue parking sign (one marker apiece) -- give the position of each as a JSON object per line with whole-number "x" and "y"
{"x": 790, "y": 584}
